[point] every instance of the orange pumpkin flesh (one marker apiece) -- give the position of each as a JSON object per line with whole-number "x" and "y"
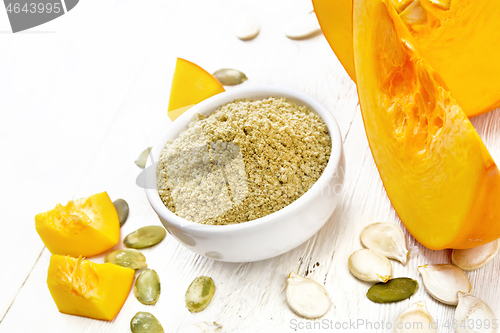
{"x": 440, "y": 178}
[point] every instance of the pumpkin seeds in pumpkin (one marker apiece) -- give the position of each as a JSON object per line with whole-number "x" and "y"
{"x": 127, "y": 258}
{"x": 202, "y": 327}
{"x": 229, "y": 76}
{"x": 443, "y": 282}
{"x": 121, "y": 207}
{"x": 145, "y": 322}
{"x": 416, "y": 316}
{"x": 386, "y": 239}
{"x": 145, "y": 237}
{"x": 368, "y": 265}
{"x": 306, "y": 297}
{"x": 477, "y": 257}
{"x": 143, "y": 158}
{"x": 473, "y": 315}
{"x": 394, "y": 290}
{"x": 147, "y": 287}
{"x": 200, "y": 293}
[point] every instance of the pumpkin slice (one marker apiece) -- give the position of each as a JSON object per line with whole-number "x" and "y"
{"x": 459, "y": 39}
{"x": 85, "y": 227}
{"x": 83, "y": 288}
{"x": 440, "y": 178}
{"x": 191, "y": 84}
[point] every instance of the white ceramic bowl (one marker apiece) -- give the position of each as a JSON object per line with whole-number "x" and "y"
{"x": 270, "y": 235}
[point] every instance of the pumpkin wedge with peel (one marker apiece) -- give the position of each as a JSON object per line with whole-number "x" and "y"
{"x": 459, "y": 39}
{"x": 438, "y": 174}
{"x": 191, "y": 84}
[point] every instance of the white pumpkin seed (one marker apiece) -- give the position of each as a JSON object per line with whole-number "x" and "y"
{"x": 477, "y": 257}
{"x": 443, "y": 4}
{"x": 229, "y": 76}
{"x": 473, "y": 315}
{"x": 247, "y": 27}
{"x": 368, "y": 265}
{"x": 200, "y": 293}
{"x": 415, "y": 319}
{"x": 145, "y": 322}
{"x": 386, "y": 239}
{"x": 145, "y": 237}
{"x": 202, "y": 327}
{"x": 443, "y": 282}
{"x": 143, "y": 158}
{"x": 127, "y": 258}
{"x": 147, "y": 287}
{"x": 121, "y": 207}
{"x": 306, "y": 297}
{"x": 303, "y": 27}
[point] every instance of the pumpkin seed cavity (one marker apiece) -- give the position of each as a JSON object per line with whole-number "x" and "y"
{"x": 306, "y": 297}
{"x": 147, "y": 287}
{"x": 143, "y": 158}
{"x": 386, "y": 239}
{"x": 229, "y": 76}
{"x": 122, "y": 209}
{"x": 394, "y": 290}
{"x": 477, "y": 257}
{"x": 472, "y": 314}
{"x": 443, "y": 282}
{"x": 200, "y": 293}
{"x": 415, "y": 316}
{"x": 368, "y": 265}
{"x": 202, "y": 327}
{"x": 145, "y": 237}
{"x": 127, "y": 258}
{"x": 145, "y": 322}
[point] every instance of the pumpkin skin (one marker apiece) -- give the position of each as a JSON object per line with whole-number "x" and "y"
{"x": 439, "y": 176}
{"x": 459, "y": 39}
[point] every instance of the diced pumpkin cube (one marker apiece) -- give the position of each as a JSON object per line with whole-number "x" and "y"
{"x": 83, "y": 227}
{"x": 83, "y": 288}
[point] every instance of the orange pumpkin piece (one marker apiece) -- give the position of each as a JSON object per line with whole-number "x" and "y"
{"x": 85, "y": 227}
{"x": 191, "y": 84}
{"x": 440, "y": 178}
{"x": 83, "y": 288}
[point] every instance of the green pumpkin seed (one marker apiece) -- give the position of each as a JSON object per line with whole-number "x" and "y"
{"x": 143, "y": 158}
{"x": 200, "y": 293}
{"x": 127, "y": 258}
{"x": 147, "y": 287}
{"x": 230, "y": 77}
{"x": 121, "y": 207}
{"x": 145, "y": 237}
{"x": 145, "y": 322}
{"x": 394, "y": 290}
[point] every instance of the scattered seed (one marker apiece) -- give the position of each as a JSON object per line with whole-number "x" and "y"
{"x": 473, "y": 315}
{"x": 143, "y": 158}
{"x": 200, "y": 293}
{"x": 368, "y": 265}
{"x": 247, "y": 28}
{"x": 415, "y": 316}
{"x": 394, "y": 290}
{"x": 443, "y": 282}
{"x": 386, "y": 239}
{"x": 127, "y": 258}
{"x": 147, "y": 287}
{"x": 121, "y": 207}
{"x": 202, "y": 327}
{"x": 303, "y": 27}
{"x": 306, "y": 297}
{"x": 145, "y": 322}
{"x": 145, "y": 237}
{"x": 229, "y": 76}
{"x": 477, "y": 257}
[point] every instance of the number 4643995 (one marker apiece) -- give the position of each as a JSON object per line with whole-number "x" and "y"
{"x": 33, "y": 8}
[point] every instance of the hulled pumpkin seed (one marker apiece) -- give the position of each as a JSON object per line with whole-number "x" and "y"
{"x": 200, "y": 293}
{"x": 127, "y": 258}
{"x": 145, "y": 322}
{"x": 303, "y": 27}
{"x": 229, "y": 76}
{"x": 416, "y": 316}
{"x": 147, "y": 287}
{"x": 387, "y": 239}
{"x": 306, "y": 297}
{"x": 473, "y": 315}
{"x": 121, "y": 207}
{"x": 394, "y": 290}
{"x": 477, "y": 257}
{"x": 145, "y": 237}
{"x": 443, "y": 282}
{"x": 143, "y": 158}
{"x": 368, "y": 265}
{"x": 202, "y": 327}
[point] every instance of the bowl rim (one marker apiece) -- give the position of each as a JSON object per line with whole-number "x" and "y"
{"x": 297, "y": 97}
